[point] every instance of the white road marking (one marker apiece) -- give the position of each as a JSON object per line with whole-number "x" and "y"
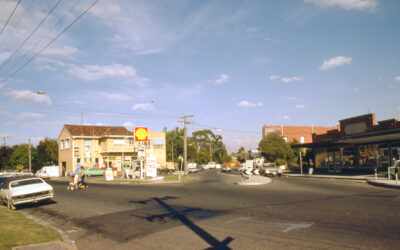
{"x": 298, "y": 226}
{"x": 237, "y": 219}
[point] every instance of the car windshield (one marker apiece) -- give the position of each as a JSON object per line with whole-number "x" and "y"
{"x": 25, "y": 182}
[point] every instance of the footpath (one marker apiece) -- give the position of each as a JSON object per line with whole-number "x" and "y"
{"x": 370, "y": 179}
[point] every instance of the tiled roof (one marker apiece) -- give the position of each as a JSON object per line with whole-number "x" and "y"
{"x": 88, "y": 130}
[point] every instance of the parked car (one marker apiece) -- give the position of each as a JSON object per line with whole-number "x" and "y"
{"x": 226, "y": 168}
{"x": 22, "y": 190}
{"x": 211, "y": 165}
{"x": 94, "y": 172}
{"x": 42, "y": 174}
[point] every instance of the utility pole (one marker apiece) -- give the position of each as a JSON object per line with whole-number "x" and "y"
{"x": 185, "y": 123}
{"x": 29, "y": 155}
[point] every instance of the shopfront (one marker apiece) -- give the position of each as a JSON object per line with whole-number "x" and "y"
{"x": 360, "y": 144}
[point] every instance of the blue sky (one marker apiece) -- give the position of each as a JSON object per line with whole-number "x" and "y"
{"x": 234, "y": 65}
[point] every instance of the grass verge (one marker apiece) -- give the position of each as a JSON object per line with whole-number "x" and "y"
{"x": 18, "y": 230}
{"x": 176, "y": 178}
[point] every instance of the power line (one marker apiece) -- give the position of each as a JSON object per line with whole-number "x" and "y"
{"x": 47, "y": 45}
{"x": 17, "y": 23}
{"x": 12, "y": 13}
{"x": 45, "y": 35}
{"x": 30, "y": 35}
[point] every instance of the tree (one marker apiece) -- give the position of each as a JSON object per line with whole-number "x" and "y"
{"x": 242, "y": 155}
{"x": 274, "y": 148}
{"x": 20, "y": 156}
{"x": 47, "y": 153}
{"x": 5, "y": 154}
{"x": 206, "y": 140}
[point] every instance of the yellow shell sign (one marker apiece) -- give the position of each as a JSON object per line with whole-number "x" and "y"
{"x": 141, "y": 134}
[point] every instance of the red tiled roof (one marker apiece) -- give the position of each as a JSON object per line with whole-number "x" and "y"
{"x": 88, "y": 130}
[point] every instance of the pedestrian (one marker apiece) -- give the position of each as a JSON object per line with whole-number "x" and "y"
{"x": 82, "y": 176}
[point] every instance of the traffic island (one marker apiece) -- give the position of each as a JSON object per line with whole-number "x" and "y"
{"x": 254, "y": 180}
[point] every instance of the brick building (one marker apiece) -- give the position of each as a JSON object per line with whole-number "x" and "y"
{"x": 359, "y": 143}
{"x": 102, "y": 146}
{"x": 302, "y": 134}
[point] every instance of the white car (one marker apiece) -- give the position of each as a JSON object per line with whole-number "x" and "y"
{"x": 22, "y": 190}
{"x": 42, "y": 174}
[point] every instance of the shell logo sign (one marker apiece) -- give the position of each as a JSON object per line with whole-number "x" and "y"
{"x": 141, "y": 134}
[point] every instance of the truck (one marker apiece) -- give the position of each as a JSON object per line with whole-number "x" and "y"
{"x": 270, "y": 169}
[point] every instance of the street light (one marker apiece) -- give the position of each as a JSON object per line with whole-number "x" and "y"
{"x": 38, "y": 92}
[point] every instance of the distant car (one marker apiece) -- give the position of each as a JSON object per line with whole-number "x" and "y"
{"x": 42, "y": 174}
{"x": 211, "y": 165}
{"x": 193, "y": 168}
{"x": 226, "y": 168}
{"x": 94, "y": 172}
{"x": 270, "y": 169}
{"x": 22, "y": 190}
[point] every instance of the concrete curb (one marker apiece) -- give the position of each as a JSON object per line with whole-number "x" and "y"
{"x": 386, "y": 184}
{"x": 360, "y": 178}
{"x": 54, "y": 245}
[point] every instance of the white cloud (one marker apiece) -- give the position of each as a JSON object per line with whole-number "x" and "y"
{"x": 286, "y": 79}
{"x": 128, "y": 125}
{"x": 29, "y": 115}
{"x": 284, "y": 117}
{"x": 114, "y": 97}
{"x": 391, "y": 85}
{"x": 246, "y": 104}
{"x": 356, "y": 89}
{"x": 291, "y": 79}
{"x": 335, "y": 62}
{"x": 252, "y": 29}
{"x": 143, "y": 106}
{"x": 262, "y": 60}
{"x": 29, "y": 96}
{"x": 291, "y": 98}
{"x": 223, "y": 78}
{"x": 300, "y": 106}
{"x": 60, "y": 51}
{"x": 78, "y": 102}
{"x": 274, "y": 77}
{"x": 99, "y": 124}
{"x": 397, "y": 78}
{"x": 364, "y": 5}
{"x": 398, "y": 107}
{"x": 97, "y": 72}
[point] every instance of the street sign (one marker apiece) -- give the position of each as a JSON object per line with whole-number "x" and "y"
{"x": 141, "y": 134}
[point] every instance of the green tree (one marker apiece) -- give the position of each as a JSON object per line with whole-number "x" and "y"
{"x": 205, "y": 140}
{"x": 274, "y": 147}
{"x": 20, "y": 156}
{"x": 47, "y": 153}
{"x": 5, "y": 155}
{"x": 242, "y": 155}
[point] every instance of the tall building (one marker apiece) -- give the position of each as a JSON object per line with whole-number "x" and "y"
{"x": 303, "y": 134}
{"x": 103, "y": 146}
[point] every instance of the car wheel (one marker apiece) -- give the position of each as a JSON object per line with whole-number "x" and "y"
{"x": 10, "y": 205}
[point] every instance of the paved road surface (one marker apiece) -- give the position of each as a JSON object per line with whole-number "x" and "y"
{"x": 289, "y": 213}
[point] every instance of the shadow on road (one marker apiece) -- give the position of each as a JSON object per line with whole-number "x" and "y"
{"x": 181, "y": 216}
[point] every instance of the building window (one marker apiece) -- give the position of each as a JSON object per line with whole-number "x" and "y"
{"x": 131, "y": 142}
{"x": 302, "y": 140}
{"x": 158, "y": 143}
{"x": 285, "y": 138}
{"x": 67, "y": 145}
{"x": 97, "y": 160}
{"x": 120, "y": 141}
{"x": 62, "y": 144}
{"x": 78, "y": 160}
{"x": 87, "y": 148}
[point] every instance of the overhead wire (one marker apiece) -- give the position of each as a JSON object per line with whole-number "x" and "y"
{"x": 33, "y": 47}
{"x": 30, "y": 35}
{"x": 16, "y": 24}
{"x": 8, "y": 19}
{"x": 48, "y": 44}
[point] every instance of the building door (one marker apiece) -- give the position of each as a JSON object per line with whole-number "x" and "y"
{"x": 63, "y": 168}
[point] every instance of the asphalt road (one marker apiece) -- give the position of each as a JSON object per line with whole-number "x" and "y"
{"x": 289, "y": 213}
